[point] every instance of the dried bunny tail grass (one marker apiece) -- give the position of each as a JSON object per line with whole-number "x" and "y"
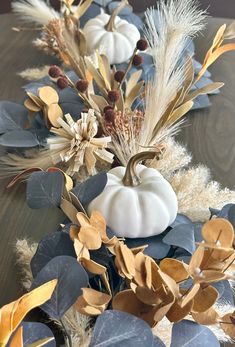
{"x": 174, "y": 157}
{"x": 12, "y": 164}
{"x": 167, "y": 32}
{"x": 24, "y": 252}
{"x": 34, "y": 73}
{"x": 196, "y": 192}
{"x": 79, "y": 327}
{"x": 35, "y": 11}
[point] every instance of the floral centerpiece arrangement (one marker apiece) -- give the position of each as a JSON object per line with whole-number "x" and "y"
{"x": 146, "y": 254}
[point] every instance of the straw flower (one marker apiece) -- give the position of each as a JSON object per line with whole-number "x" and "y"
{"x": 78, "y": 144}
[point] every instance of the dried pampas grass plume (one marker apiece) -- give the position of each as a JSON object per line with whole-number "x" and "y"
{"x": 35, "y": 11}
{"x": 167, "y": 32}
{"x": 34, "y": 73}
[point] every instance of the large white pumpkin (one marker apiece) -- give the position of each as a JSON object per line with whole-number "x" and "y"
{"x": 114, "y": 36}
{"x": 144, "y": 208}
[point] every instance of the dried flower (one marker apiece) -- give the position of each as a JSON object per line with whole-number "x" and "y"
{"x": 54, "y": 71}
{"x": 62, "y": 82}
{"x": 113, "y": 95}
{"x": 78, "y": 144}
{"x": 82, "y": 86}
{"x": 137, "y": 60}
{"x": 119, "y": 75}
{"x": 142, "y": 45}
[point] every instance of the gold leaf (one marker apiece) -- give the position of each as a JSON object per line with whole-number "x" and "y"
{"x": 81, "y": 250}
{"x": 209, "y": 317}
{"x": 13, "y": 313}
{"x": 196, "y": 260}
{"x": 31, "y": 106}
{"x": 140, "y": 269}
{"x": 126, "y": 301}
{"x": 83, "y": 219}
{"x": 175, "y": 269}
{"x": 35, "y": 99}
{"x": 41, "y": 342}
{"x": 161, "y": 311}
{"x": 147, "y": 296}
{"x": 179, "y": 112}
{"x": 133, "y": 94}
{"x": 204, "y": 90}
{"x": 230, "y": 31}
{"x": 48, "y": 95}
{"x": 100, "y": 101}
{"x": 82, "y": 307}
{"x": 98, "y": 222}
{"x": 190, "y": 295}
{"x": 53, "y": 113}
{"x": 210, "y": 276}
{"x": 133, "y": 80}
{"x": 220, "y": 231}
{"x": 139, "y": 249}
{"x": 92, "y": 266}
{"x": 148, "y": 271}
{"x": 17, "y": 340}
{"x": 90, "y": 237}
{"x": 177, "y": 312}
{"x": 228, "y": 325}
{"x": 69, "y": 210}
{"x": 95, "y": 298}
{"x": 97, "y": 77}
{"x": 82, "y": 8}
{"x": 128, "y": 259}
{"x": 104, "y": 68}
{"x": 204, "y": 299}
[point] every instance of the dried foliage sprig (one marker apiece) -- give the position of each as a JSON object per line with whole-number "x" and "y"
{"x": 153, "y": 291}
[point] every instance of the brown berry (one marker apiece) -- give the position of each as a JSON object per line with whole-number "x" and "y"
{"x": 109, "y": 116}
{"x": 119, "y": 75}
{"x": 113, "y": 95}
{"x": 137, "y": 60}
{"x": 62, "y": 82}
{"x": 54, "y": 71}
{"x": 107, "y": 108}
{"x": 82, "y": 86}
{"x": 142, "y": 45}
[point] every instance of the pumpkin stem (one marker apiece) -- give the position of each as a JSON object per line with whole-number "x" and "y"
{"x": 131, "y": 177}
{"x": 110, "y": 26}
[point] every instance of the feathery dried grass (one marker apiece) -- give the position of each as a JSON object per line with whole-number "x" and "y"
{"x": 167, "y": 32}
{"x": 34, "y": 73}
{"x": 35, "y": 11}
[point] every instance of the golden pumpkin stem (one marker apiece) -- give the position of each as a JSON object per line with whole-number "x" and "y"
{"x": 110, "y": 26}
{"x": 131, "y": 178}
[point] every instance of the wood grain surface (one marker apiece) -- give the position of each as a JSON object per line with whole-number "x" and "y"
{"x": 209, "y": 135}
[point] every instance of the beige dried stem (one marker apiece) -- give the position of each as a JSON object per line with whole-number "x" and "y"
{"x": 167, "y": 33}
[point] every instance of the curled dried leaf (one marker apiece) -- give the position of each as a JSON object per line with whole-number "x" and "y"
{"x": 90, "y": 237}
{"x": 95, "y": 298}
{"x": 228, "y": 325}
{"x": 208, "y": 317}
{"x": 218, "y": 231}
{"x": 92, "y": 266}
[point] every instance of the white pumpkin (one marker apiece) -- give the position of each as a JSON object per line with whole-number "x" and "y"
{"x": 112, "y": 35}
{"x": 137, "y": 201}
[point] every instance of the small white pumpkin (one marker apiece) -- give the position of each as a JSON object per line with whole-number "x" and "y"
{"x": 114, "y": 36}
{"x": 137, "y": 201}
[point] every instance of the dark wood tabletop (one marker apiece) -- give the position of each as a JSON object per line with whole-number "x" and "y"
{"x": 209, "y": 136}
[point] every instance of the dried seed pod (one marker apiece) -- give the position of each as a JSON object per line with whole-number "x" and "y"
{"x": 62, "y": 83}
{"x": 54, "y": 71}
{"x": 113, "y": 95}
{"x": 119, "y": 75}
{"x": 109, "y": 116}
{"x": 142, "y": 45}
{"x": 82, "y": 86}
{"x": 137, "y": 60}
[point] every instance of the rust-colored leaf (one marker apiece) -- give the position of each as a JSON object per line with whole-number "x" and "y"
{"x": 208, "y": 317}
{"x": 177, "y": 312}
{"x": 228, "y": 325}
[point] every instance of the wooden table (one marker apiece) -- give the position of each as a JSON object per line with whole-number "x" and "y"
{"x": 209, "y": 135}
